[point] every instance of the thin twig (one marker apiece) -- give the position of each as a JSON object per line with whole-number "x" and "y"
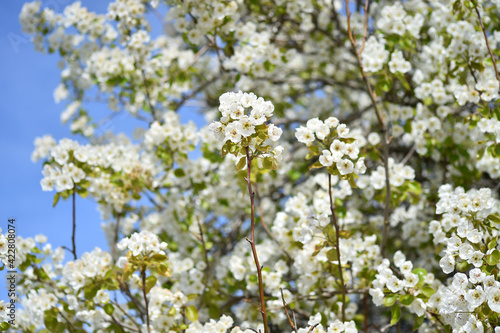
{"x": 365, "y": 30}
{"x": 115, "y": 239}
{"x": 383, "y": 130}
{"x": 294, "y": 328}
{"x": 337, "y": 243}
{"x": 486, "y": 40}
{"x": 143, "y": 275}
{"x": 127, "y": 315}
{"x": 410, "y": 153}
{"x": 74, "y": 225}
{"x": 312, "y": 327}
{"x": 252, "y": 242}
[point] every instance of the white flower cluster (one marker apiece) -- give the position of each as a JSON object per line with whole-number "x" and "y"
{"x": 43, "y": 145}
{"x": 398, "y": 174}
{"x": 456, "y": 229}
{"x": 340, "y": 152}
{"x": 385, "y": 278}
{"x": 336, "y": 327}
{"x": 398, "y": 63}
{"x": 395, "y": 20}
{"x": 62, "y": 179}
{"x": 374, "y": 55}
{"x": 241, "y": 113}
{"x": 178, "y": 136}
{"x": 213, "y": 326}
{"x": 162, "y": 302}
{"x": 144, "y": 243}
{"x": 91, "y": 264}
{"x": 490, "y": 126}
{"x": 458, "y": 301}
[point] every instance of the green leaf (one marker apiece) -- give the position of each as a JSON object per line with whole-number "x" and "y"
{"x": 41, "y": 273}
{"x": 390, "y": 300}
{"x": 395, "y": 314}
{"x": 422, "y": 274}
{"x": 225, "y": 148}
{"x": 493, "y": 258}
{"x": 417, "y": 323}
{"x": 492, "y": 244}
{"x": 192, "y": 313}
{"x": 56, "y": 199}
{"x": 82, "y": 192}
{"x": 50, "y": 319}
{"x": 241, "y": 163}
{"x": 406, "y": 300}
{"x": 109, "y": 309}
{"x": 351, "y": 180}
{"x": 268, "y": 163}
{"x": 315, "y": 165}
{"x": 150, "y": 283}
{"x": 494, "y": 218}
{"x": 332, "y": 255}
{"x": 179, "y": 173}
{"x": 91, "y": 291}
{"x": 484, "y": 110}
{"x": 428, "y": 291}
{"x": 4, "y": 326}
{"x": 159, "y": 257}
{"x": 318, "y": 248}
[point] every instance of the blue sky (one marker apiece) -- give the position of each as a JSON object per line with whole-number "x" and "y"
{"x": 27, "y": 110}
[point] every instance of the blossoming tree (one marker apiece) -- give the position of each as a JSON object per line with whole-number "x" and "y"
{"x": 346, "y": 180}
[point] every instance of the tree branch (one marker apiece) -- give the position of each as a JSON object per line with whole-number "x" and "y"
{"x": 337, "y": 243}
{"x": 486, "y": 40}
{"x": 252, "y": 242}
{"x": 383, "y": 130}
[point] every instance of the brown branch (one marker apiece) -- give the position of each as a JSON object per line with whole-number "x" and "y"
{"x": 74, "y": 225}
{"x": 486, "y": 40}
{"x": 365, "y": 30}
{"x": 143, "y": 275}
{"x": 252, "y": 242}
{"x": 294, "y": 327}
{"x": 312, "y": 327}
{"x": 383, "y": 130}
{"x": 115, "y": 239}
{"x": 337, "y": 243}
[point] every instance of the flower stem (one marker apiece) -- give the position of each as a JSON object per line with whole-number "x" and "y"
{"x": 252, "y": 243}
